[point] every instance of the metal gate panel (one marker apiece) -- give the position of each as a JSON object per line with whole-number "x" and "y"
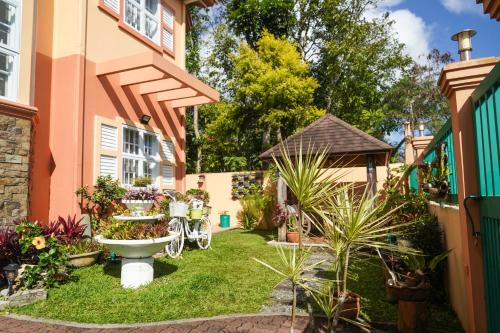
{"x": 486, "y": 107}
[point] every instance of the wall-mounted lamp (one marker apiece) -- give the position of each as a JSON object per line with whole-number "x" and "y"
{"x": 421, "y": 128}
{"x": 145, "y": 119}
{"x": 10, "y": 274}
{"x": 201, "y": 178}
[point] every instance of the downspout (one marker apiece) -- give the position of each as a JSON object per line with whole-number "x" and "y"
{"x": 33, "y": 55}
{"x": 84, "y": 90}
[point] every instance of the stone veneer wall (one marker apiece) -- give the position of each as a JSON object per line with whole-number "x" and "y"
{"x": 15, "y": 139}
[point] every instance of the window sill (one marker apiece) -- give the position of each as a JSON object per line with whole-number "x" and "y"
{"x": 108, "y": 11}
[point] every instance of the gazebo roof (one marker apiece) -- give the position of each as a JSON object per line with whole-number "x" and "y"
{"x": 338, "y": 136}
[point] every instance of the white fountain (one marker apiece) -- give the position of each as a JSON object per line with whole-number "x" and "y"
{"x": 137, "y": 261}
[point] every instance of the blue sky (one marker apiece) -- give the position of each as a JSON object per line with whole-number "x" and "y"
{"x": 436, "y": 20}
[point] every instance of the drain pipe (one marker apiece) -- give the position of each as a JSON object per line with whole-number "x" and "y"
{"x": 475, "y": 233}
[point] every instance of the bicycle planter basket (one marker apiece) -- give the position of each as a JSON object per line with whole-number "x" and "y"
{"x": 178, "y": 209}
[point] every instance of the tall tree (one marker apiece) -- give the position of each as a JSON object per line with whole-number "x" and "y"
{"x": 249, "y": 18}
{"x": 358, "y": 62}
{"x": 271, "y": 94}
{"x": 416, "y": 97}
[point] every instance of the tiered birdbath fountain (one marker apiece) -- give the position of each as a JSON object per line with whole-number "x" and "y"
{"x": 137, "y": 261}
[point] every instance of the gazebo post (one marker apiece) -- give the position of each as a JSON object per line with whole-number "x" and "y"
{"x": 281, "y": 193}
{"x": 371, "y": 174}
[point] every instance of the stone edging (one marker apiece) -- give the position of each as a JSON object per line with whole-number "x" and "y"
{"x": 286, "y": 244}
{"x": 136, "y": 325}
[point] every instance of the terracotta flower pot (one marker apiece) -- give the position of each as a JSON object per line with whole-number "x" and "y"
{"x": 292, "y": 236}
{"x": 351, "y": 307}
{"x": 84, "y": 259}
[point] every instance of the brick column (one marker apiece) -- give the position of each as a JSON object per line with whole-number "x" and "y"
{"x": 15, "y": 148}
{"x": 457, "y": 82}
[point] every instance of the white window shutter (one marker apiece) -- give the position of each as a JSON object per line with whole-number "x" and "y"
{"x": 168, "y": 40}
{"x": 109, "y": 137}
{"x": 168, "y": 174}
{"x": 168, "y": 17}
{"x": 107, "y": 166}
{"x": 114, "y": 5}
{"x": 168, "y": 150}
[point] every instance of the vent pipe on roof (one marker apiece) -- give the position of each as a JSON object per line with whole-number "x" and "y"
{"x": 464, "y": 39}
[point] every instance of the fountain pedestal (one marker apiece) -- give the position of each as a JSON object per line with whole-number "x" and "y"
{"x": 136, "y": 272}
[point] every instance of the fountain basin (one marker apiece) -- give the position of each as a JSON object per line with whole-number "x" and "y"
{"x": 145, "y": 218}
{"x": 136, "y": 248}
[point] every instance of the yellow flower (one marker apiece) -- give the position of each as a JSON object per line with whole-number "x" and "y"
{"x": 38, "y": 242}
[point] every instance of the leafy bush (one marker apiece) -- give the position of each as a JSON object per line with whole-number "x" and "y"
{"x": 83, "y": 246}
{"x": 252, "y": 210}
{"x": 106, "y": 192}
{"x": 142, "y": 181}
{"x": 200, "y": 194}
{"x": 48, "y": 256}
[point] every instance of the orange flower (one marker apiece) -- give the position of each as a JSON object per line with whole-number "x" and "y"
{"x": 38, "y": 242}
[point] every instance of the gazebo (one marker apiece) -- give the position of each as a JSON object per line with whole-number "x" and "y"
{"x": 345, "y": 145}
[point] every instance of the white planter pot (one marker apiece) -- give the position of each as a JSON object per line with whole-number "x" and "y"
{"x": 178, "y": 209}
{"x": 138, "y": 206}
{"x": 144, "y": 219}
{"x": 140, "y": 248}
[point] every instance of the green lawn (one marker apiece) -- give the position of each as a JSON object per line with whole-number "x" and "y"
{"x": 222, "y": 280}
{"x": 219, "y": 281}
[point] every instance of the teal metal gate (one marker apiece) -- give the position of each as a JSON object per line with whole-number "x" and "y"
{"x": 486, "y": 104}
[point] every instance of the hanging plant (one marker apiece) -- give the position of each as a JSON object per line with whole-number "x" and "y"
{"x": 436, "y": 174}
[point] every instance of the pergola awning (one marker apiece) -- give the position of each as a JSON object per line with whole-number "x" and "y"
{"x": 160, "y": 79}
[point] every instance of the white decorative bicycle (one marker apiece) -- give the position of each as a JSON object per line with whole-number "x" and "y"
{"x": 197, "y": 227}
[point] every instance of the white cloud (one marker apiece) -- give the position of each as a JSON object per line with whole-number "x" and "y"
{"x": 412, "y": 31}
{"x": 462, "y": 6}
{"x": 409, "y": 28}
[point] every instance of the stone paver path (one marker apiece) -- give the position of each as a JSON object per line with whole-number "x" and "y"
{"x": 256, "y": 323}
{"x": 281, "y": 298}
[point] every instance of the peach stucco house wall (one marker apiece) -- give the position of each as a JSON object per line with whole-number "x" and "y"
{"x": 99, "y": 69}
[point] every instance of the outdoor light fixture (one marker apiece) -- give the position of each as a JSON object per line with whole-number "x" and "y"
{"x": 145, "y": 119}
{"x": 201, "y": 178}
{"x": 11, "y": 274}
{"x": 464, "y": 43}
{"x": 421, "y": 129}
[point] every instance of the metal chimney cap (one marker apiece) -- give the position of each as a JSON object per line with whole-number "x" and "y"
{"x": 472, "y": 32}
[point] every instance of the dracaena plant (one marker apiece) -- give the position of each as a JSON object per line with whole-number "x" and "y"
{"x": 351, "y": 223}
{"x": 10, "y": 250}
{"x": 306, "y": 173}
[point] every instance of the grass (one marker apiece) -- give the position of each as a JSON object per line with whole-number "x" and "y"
{"x": 367, "y": 280}
{"x": 222, "y": 280}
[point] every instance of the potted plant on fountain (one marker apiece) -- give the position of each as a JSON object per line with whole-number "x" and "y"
{"x": 136, "y": 239}
{"x": 140, "y": 200}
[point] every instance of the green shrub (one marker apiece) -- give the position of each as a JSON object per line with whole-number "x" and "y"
{"x": 252, "y": 210}
{"x": 200, "y": 194}
{"x": 142, "y": 181}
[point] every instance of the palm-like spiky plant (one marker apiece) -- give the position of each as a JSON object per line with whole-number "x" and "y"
{"x": 292, "y": 267}
{"x": 351, "y": 223}
{"x": 307, "y": 176}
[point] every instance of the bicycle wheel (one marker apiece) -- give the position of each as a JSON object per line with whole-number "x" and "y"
{"x": 174, "y": 248}
{"x": 204, "y": 233}
{"x": 306, "y": 224}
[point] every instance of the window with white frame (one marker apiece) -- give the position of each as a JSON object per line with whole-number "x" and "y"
{"x": 140, "y": 155}
{"x": 144, "y": 17}
{"x": 9, "y": 47}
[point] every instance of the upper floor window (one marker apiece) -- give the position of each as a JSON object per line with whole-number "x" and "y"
{"x": 152, "y": 19}
{"x": 9, "y": 47}
{"x": 144, "y": 16}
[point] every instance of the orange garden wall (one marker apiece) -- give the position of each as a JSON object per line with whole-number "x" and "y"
{"x": 72, "y": 37}
{"x": 449, "y": 218}
{"x": 218, "y": 185}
